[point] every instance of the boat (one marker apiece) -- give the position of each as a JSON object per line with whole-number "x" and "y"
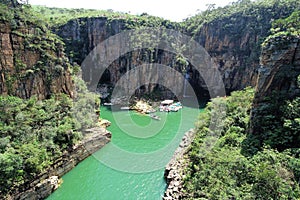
{"x": 164, "y": 105}
{"x": 125, "y": 108}
{"x": 175, "y": 107}
{"x": 108, "y": 104}
{"x": 155, "y": 117}
{"x": 169, "y": 105}
{"x": 150, "y": 110}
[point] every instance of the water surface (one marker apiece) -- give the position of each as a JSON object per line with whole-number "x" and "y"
{"x": 131, "y": 166}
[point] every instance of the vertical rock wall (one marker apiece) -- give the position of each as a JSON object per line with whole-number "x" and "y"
{"x": 32, "y": 62}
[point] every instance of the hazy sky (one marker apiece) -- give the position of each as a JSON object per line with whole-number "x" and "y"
{"x": 168, "y": 9}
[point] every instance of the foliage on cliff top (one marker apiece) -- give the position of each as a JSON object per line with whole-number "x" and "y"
{"x": 290, "y": 24}
{"x": 285, "y": 28}
{"x": 226, "y": 172}
{"x": 21, "y": 13}
{"x": 20, "y": 18}
{"x": 60, "y": 16}
{"x": 256, "y": 10}
{"x": 5, "y": 13}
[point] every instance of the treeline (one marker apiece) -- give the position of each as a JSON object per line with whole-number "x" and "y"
{"x": 59, "y": 16}
{"x": 256, "y": 11}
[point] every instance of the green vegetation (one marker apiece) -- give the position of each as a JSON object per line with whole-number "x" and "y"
{"x": 226, "y": 172}
{"x": 34, "y": 133}
{"x": 5, "y": 13}
{"x": 60, "y": 16}
{"x": 276, "y": 123}
{"x": 290, "y": 24}
{"x": 15, "y": 13}
{"x": 286, "y": 27}
{"x": 257, "y": 12}
{"x": 238, "y": 165}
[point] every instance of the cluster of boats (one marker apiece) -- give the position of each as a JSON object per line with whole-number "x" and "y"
{"x": 169, "y": 106}
{"x": 165, "y": 106}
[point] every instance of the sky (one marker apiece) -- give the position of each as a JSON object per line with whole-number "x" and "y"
{"x": 169, "y": 9}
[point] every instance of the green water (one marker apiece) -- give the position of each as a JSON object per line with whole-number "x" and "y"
{"x": 132, "y": 165}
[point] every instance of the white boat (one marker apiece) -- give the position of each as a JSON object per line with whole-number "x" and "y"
{"x": 155, "y": 117}
{"x": 125, "y": 108}
{"x": 164, "y": 105}
{"x": 169, "y": 105}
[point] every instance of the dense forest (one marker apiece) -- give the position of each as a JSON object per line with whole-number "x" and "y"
{"x": 256, "y": 155}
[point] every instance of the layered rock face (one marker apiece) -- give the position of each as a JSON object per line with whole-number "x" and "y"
{"x": 279, "y": 68}
{"x": 83, "y": 35}
{"x": 234, "y": 49}
{"x": 232, "y": 42}
{"x": 277, "y": 80}
{"x": 32, "y": 62}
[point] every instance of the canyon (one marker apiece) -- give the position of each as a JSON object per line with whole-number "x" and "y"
{"x": 40, "y": 61}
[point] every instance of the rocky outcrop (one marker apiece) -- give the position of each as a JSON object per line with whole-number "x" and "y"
{"x": 32, "y": 61}
{"x": 48, "y": 181}
{"x": 41, "y": 190}
{"x": 174, "y": 173}
{"x": 279, "y": 67}
{"x": 278, "y": 72}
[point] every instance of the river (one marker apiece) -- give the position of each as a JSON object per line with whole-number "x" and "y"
{"x": 132, "y": 165}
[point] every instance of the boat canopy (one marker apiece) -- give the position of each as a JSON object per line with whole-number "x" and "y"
{"x": 167, "y": 102}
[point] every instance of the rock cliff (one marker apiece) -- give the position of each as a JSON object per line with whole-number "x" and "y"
{"x": 279, "y": 67}
{"x": 174, "y": 173}
{"x": 234, "y": 47}
{"x": 233, "y": 41}
{"x": 277, "y": 82}
{"x": 84, "y": 34}
{"x": 32, "y": 60}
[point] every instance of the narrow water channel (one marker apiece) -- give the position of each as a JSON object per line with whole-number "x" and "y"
{"x": 131, "y": 166}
